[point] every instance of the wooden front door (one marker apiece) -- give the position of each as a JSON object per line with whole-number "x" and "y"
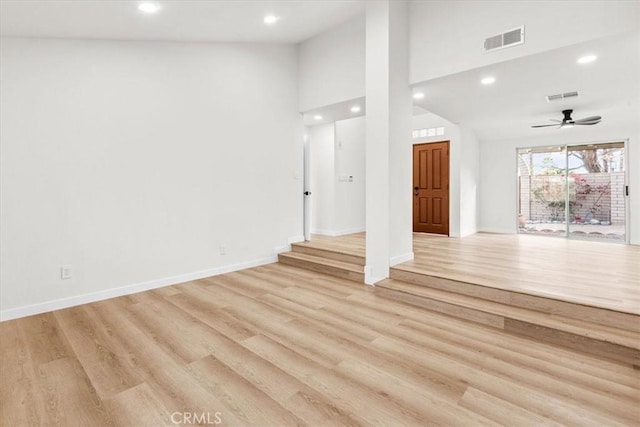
{"x": 431, "y": 188}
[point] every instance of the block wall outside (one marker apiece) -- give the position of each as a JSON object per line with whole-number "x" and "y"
{"x": 617, "y": 198}
{"x": 605, "y": 202}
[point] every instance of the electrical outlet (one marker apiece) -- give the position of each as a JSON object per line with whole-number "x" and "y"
{"x": 223, "y": 250}
{"x": 66, "y": 272}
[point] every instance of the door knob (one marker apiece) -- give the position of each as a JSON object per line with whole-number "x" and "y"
{"x": 415, "y": 191}
{"x": 307, "y": 193}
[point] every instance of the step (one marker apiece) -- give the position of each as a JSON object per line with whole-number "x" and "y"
{"x": 594, "y": 338}
{"x": 310, "y": 249}
{"x": 328, "y": 266}
{"x": 547, "y": 304}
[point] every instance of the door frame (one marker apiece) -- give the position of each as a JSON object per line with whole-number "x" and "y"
{"x": 627, "y": 218}
{"x": 306, "y": 187}
{"x": 413, "y": 145}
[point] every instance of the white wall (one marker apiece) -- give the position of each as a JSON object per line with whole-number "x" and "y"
{"x": 322, "y": 152}
{"x": 337, "y": 153}
{"x": 350, "y": 162}
{"x": 135, "y": 161}
{"x": 447, "y": 36}
{"x": 464, "y": 171}
{"x": 331, "y": 66}
{"x": 498, "y": 190}
{"x": 469, "y": 181}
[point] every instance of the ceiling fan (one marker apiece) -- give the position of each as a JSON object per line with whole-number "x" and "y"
{"x": 567, "y": 121}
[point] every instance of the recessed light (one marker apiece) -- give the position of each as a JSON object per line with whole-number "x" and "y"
{"x": 488, "y": 80}
{"x": 148, "y": 7}
{"x": 418, "y": 95}
{"x": 271, "y": 19}
{"x": 355, "y": 109}
{"x": 318, "y": 117}
{"x": 587, "y": 59}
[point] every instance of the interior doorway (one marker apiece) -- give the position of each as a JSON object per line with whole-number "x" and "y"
{"x": 575, "y": 191}
{"x": 306, "y": 187}
{"x": 431, "y": 188}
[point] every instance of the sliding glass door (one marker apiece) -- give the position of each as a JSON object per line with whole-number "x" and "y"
{"x": 542, "y": 187}
{"x": 575, "y": 191}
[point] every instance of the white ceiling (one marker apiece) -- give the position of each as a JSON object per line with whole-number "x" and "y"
{"x": 609, "y": 87}
{"x": 335, "y": 112}
{"x": 178, "y": 20}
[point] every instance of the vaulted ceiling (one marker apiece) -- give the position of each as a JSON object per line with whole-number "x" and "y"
{"x": 609, "y": 87}
{"x": 178, "y": 20}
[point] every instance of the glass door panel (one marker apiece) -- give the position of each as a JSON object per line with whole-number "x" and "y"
{"x": 596, "y": 192}
{"x": 542, "y": 191}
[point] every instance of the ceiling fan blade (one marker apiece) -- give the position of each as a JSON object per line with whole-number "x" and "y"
{"x": 589, "y": 119}
{"x": 569, "y": 122}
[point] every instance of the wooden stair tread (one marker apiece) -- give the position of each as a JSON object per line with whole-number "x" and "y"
{"x": 332, "y": 267}
{"x": 324, "y": 261}
{"x": 309, "y": 248}
{"x": 352, "y": 244}
{"x": 327, "y": 248}
{"x": 489, "y": 282}
{"x": 575, "y": 326}
{"x": 601, "y": 315}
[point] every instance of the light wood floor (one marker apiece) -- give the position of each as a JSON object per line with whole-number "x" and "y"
{"x": 352, "y": 244}
{"x": 598, "y": 274}
{"x": 281, "y": 346}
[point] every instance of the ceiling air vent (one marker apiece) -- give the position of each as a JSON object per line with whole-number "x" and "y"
{"x": 561, "y": 96}
{"x": 507, "y": 39}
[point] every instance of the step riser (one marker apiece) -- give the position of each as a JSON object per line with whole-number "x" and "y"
{"x": 573, "y": 341}
{"x": 321, "y": 268}
{"x": 454, "y": 310}
{"x": 541, "y": 333}
{"x": 337, "y": 256}
{"x": 547, "y": 305}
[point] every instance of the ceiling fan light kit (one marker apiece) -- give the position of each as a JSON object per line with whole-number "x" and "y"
{"x": 568, "y": 122}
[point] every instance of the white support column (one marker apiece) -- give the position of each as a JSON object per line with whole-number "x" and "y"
{"x": 401, "y": 148}
{"x": 388, "y": 152}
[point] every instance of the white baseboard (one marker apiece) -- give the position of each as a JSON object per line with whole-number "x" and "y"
{"x": 468, "y": 233}
{"x": 295, "y": 239}
{"x": 400, "y": 259}
{"x": 369, "y": 279}
{"x": 335, "y": 233}
{"x": 350, "y": 231}
{"x": 29, "y": 310}
{"x": 321, "y": 232}
{"x": 497, "y": 230}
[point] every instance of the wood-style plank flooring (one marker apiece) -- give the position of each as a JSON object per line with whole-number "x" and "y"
{"x": 281, "y": 346}
{"x": 605, "y": 275}
{"x": 599, "y": 274}
{"x": 352, "y": 244}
